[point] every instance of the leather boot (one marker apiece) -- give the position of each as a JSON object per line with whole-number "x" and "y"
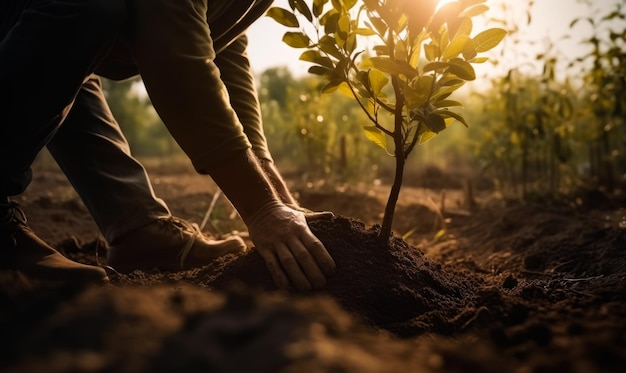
{"x": 22, "y": 250}
{"x": 169, "y": 244}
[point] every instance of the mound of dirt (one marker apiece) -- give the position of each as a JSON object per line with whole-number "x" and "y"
{"x": 509, "y": 287}
{"x": 394, "y": 287}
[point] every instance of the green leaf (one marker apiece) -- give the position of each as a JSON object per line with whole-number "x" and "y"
{"x": 344, "y": 23}
{"x": 381, "y": 50}
{"x": 301, "y": 6}
{"x": 331, "y": 86}
{"x": 350, "y": 44}
{"x": 345, "y": 90}
{"x": 331, "y": 19}
{"x": 342, "y": 67}
{"x": 318, "y": 7}
{"x": 478, "y": 60}
{"x": 456, "y": 47}
{"x": 414, "y": 58}
{"x": 461, "y": 69}
{"x": 450, "y": 80}
{"x": 474, "y": 11}
{"x": 448, "y": 113}
{"x": 349, "y": 4}
{"x": 283, "y": 16}
{"x": 327, "y": 44}
{"x": 310, "y": 56}
{"x": 319, "y": 70}
{"x": 420, "y": 91}
{"x": 425, "y": 136}
{"x": 435, "y": 122}
{"x": 488, "y": 39}
{"x": 444, "y": 39}
{"x": 447, "y": 103}
{"x": 343, "y": 27}
{"x": 469, "y": 52}
{"x": 379, "y": 25}
{"x": 297, "y": 40}
{"x": 377, "y": 80}
{"x": 432, "y": 52}
{"x": 376, "y": 136}
{"x": 460, "y": 39}
{"x": 392, "y": 67}
{"x": 435, "y": 66}
{"x": 443, "y": 92}
{"x": 363, "y": 31}
{"x": 316, "y": 57}
{"x": 465, "y": 27}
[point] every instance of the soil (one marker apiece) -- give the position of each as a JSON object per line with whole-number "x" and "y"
{"x": 502, "y": 287}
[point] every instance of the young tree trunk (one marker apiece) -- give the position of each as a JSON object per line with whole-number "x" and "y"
{"x": 390, "y": 208}
{"x": 398, "y": 140}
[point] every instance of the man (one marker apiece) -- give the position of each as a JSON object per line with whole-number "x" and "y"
{"x": 48, "y": 53}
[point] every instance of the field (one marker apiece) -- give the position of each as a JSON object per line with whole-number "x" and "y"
{"x": 504, "y": 287}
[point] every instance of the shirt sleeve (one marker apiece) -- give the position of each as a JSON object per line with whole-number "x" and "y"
{"x": 173, "y": 50}
{"x": 237, "y": 76}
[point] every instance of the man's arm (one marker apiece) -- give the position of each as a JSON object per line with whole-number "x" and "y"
{"x": 281, "y": 235}
{"x": 236, "y": 73}
{"x": 172, "y": 48}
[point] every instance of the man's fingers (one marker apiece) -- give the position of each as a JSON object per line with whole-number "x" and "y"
{"x": 292, "y": 268}
{"x": 275, "y": 269}
{"x": 307, "y": 263}
{"x": 319, "y": 252}
{"x": 322, "y": 215}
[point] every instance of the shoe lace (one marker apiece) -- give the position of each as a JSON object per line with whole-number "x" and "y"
{"x": 183, "y": 226}
{"x": 14, "y": 217}
{"x": 13, "y": 220}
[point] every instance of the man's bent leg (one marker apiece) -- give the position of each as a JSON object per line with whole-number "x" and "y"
{"x": 47, "y": 48}
{"x": 94, "y": 155}
{"x": 45, "y": 55}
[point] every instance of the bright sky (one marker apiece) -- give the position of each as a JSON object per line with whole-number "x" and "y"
{"x": 550, "y": 20}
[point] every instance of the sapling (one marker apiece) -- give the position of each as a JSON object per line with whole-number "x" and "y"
{"x": 399, "y": 59}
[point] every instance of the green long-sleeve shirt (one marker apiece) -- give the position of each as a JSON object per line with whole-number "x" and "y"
{"x": 206, "y": 99}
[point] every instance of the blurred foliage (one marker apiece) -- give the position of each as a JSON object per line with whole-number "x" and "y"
{"x": 531, "y": 133}
{"x": 141, "y": 125}
{"x": 319, "y": 134}
{"x": 543, "y": 135}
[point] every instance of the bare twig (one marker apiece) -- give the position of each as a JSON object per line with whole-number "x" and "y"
{"x": 210, "y": 209}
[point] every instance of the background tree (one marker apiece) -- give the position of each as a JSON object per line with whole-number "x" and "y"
{"x": 145, "y": 132}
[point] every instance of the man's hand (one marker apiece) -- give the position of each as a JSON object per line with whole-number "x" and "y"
{"x": 292, "y": 254}
{"x": 310, "y": 215}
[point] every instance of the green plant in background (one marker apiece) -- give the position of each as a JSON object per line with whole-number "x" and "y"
{"x": 547, "y": 134}
{"x": 605, "y": 92}
{"x": 403, "y": 81}
{"x": 142, "y": 127}
{"x": 313, "y": 131}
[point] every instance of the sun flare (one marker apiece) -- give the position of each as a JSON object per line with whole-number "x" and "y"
{"x": 441, "y": 3}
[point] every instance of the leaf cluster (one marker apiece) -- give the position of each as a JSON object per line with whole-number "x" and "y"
{"x": 398, "y": 58}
